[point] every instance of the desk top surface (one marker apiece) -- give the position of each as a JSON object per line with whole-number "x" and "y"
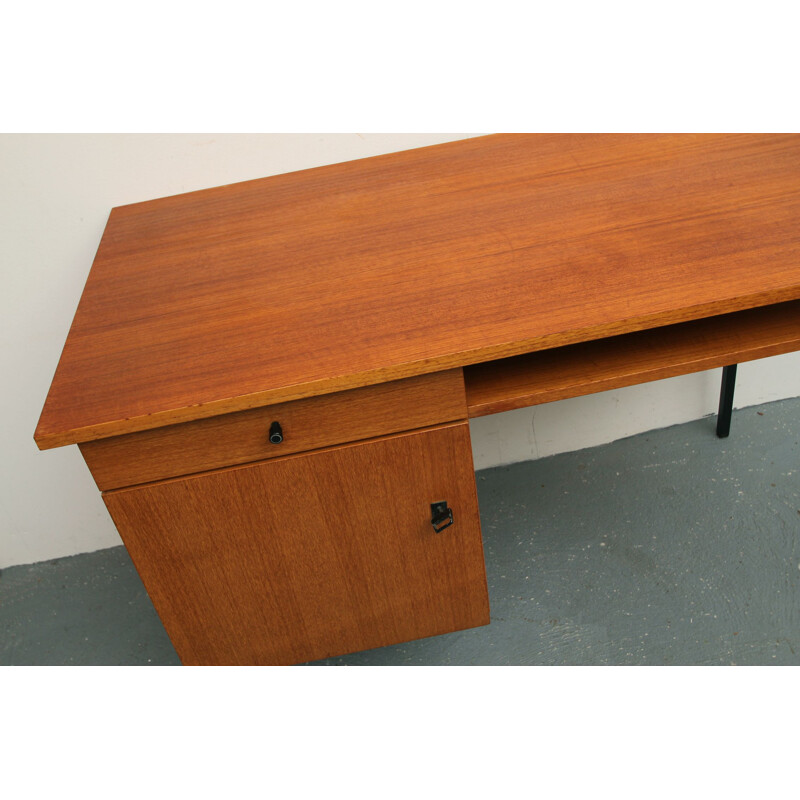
{"x": 372, "y": 270}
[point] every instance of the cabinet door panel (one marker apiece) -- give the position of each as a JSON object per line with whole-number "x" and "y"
{"x": 311, "y": 556}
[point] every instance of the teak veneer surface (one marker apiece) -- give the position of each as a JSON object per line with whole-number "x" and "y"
{"x": 632, "y": 358}
{"x": 409, "y": 263}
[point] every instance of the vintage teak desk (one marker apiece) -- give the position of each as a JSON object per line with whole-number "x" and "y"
{"x": 270, "y": 381}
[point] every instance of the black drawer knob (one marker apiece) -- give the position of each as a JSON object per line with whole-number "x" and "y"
{"x": 275, "y": 433}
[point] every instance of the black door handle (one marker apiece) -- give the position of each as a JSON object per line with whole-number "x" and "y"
{"x": 441, "y": 516}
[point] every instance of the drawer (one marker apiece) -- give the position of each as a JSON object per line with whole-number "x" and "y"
{"x": 307, "y": 424}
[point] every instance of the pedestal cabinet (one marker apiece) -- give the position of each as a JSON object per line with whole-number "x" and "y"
{"x": 312, "y": 555}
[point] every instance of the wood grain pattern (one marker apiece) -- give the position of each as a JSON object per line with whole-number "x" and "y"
{"x": 307, "y": 424}
{"x": 632, "y": 358}
{"x": 354, "y": 274}
{"x": 332, "y": 552}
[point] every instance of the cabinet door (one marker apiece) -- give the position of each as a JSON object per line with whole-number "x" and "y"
{"x": 314, "y": 555}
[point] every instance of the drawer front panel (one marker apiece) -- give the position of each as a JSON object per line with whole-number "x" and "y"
{"x": 305, "y": 424}
{"x": 313, "y": 555}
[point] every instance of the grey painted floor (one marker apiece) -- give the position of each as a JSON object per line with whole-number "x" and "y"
{"x": 671, "y": 547}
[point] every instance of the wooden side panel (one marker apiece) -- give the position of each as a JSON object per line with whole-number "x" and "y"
{"x": 307, "y": 425}
{"x": 314, "y": 555}
{"x": 632, "y": 358}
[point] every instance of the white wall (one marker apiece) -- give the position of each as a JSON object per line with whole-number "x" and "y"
{"x": 55, "y": 195}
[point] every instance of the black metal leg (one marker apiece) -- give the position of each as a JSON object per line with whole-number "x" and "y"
{"x": 726, "y": 401}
